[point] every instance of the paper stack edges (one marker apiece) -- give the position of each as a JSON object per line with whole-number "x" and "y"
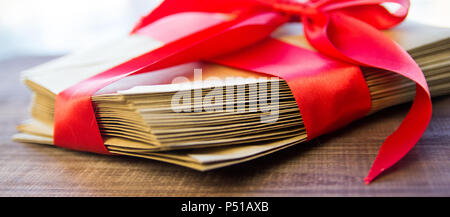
{"x": 137, "y": 118}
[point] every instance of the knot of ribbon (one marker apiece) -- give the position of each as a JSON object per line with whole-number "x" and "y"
{"x": 343, "y": 30}
{"x": 295, "y": 9}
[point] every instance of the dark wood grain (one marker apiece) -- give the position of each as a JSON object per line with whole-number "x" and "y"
{"x": 333, "y": 165}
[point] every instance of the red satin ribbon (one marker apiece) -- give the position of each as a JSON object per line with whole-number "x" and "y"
{"x": 347, "y": 30}
{"x": 329, "y": 93}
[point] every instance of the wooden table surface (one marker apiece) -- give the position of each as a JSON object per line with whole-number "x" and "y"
{"x": 333, "y": 165}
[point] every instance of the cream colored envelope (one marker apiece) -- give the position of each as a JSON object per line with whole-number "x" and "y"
{"x": 136, "y": 115}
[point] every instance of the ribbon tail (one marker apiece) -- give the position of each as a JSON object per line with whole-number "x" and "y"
{"x": 350, "y": 38}
{"x": 399, "y": 143}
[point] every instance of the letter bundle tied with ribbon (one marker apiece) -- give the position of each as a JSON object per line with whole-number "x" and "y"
{"x": 301, "y": 69}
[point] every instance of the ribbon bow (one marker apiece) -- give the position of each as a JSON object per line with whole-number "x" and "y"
{"x": 346, "y": 30}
